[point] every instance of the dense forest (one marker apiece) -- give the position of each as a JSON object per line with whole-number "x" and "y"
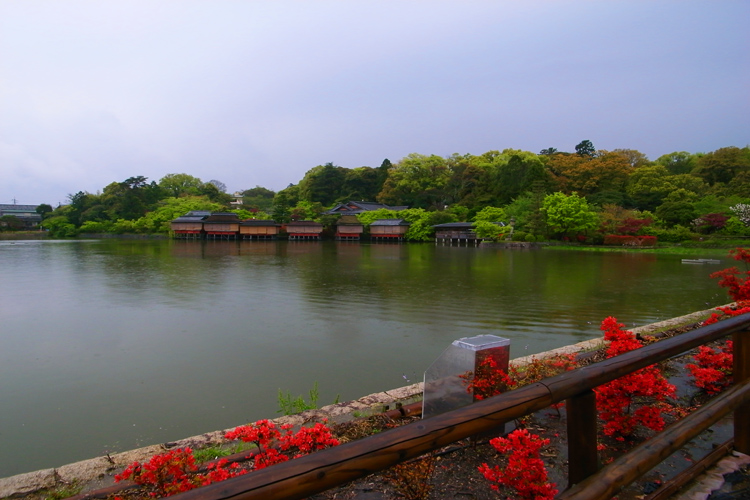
{"x": 586, "y": 195}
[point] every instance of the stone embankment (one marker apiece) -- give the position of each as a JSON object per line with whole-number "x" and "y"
{"x": 99, "y": 472}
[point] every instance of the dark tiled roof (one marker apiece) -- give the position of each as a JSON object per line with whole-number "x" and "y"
{"x": 389, "y": 222}
{"x": 304, "y": 223}
{"x": 454, "y": 225}
{"x": 258, "y": 222}
{"x": 223, "y": 217}
{"x": 193, "y": 216}
{"x": 188, "y": 218}
{"x": 357, "y": 207}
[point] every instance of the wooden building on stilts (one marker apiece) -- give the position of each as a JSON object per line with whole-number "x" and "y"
{"x": 255, "y": 229}
{"x": 456, "y": 233}
{"x": 222, "y": 226}
{"x": 348, "y": 228}
{"x": 388, "y": 229}
{"x": 304, "y": 230}
{"x": 190, "y": 225}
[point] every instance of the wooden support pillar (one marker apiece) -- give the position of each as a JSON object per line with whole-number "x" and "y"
{"x": 741, "y": 373}
{"x": 583, "y": 460}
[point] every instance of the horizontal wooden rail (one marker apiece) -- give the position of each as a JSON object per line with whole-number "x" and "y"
{"x": 627, "y": 468}
{"x": 326, "y": 469}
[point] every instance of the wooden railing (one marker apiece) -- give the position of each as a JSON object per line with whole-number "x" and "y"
{"x": 335, "y": 466}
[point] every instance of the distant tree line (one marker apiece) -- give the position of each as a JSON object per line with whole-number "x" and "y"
{"x": 585, "y": 195}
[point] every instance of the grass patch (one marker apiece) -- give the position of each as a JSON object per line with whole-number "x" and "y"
{"x": 681, "y": 250}
{"x": 214, "y": 452}
{"x": 60, "y": 492}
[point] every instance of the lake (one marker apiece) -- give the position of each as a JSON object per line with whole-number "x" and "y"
{"x": 108, "y": 345}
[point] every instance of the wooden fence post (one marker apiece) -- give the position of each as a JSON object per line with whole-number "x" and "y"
{"x": 741, "y": 372}
{"x": 583, "y": 460}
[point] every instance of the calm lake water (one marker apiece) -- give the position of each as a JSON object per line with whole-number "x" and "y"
{"x": 108, "y": 345}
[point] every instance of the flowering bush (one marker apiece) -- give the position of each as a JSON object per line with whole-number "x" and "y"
{"x": 633, "y": 226}
{"x": 710, "y": 223}
{"x": 742, "y": 212}
{"x": 615, "y": 400}
{"x": 727, "y": 312}
{"x": 737, "y": 285}
{"x": 713, "y": 371}
{"x": 265, "y": 434}
{"x": 175, "y": 472}
{"x": 489, "y": 380}
{"x": 525, "y": 473}
{"x": 736, "y": 282}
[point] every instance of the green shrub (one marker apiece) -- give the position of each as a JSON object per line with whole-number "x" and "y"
{"x": 92, "y": 226}
{"x": 676, "y": 234}
{"x": 519, "y": 236}
{"x": 530, "y": 238}
{"x": 60, "y": 227}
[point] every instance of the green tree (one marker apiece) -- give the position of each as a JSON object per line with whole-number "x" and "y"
{"x": 678, "y": 208}
{"x": 441, "y": 217}
{"x": 722, "y": 165}
{"x": 323, "y": 184}
{"x": 10, "y": 223}
{"x": 219, "y": 185}
{"x": 383, "y": 169}
{"x": 44, "y": 209}
{"x": 634, "y": 157}
{"x": 678, "y": 162}
{"x": 527, "y": 211}
{"x": 283, "y": 202}
{"x": 131, "y": 198}
{"x": 420, "y": 228}
{"x": 491, "y": 214}
{"x": 689, "y": 183}
{"x": 180, "y": 185}
{"x": 460, "y": 212}
{"x": 489, "y": 230}
{"x": 569, "y": 214}
{"x": 472, "y": 181}
{"x": 213, "y": 193}
{"x": 245, "y": 214}
{"x": 418, "y": 181}
{"x": 371, "y": 216}
{"x": 59, "y": 226}
{"x": 258, "y": 197}
{"x": 305, "y": 210}
{"x": 516, "y": 175}
{"x": 585, "y": 148}
{"x": 740, "y": 186}
{"x": 363, "y": 183}
{"x": 648, "y": 186}
{"x": 77, "y": 204}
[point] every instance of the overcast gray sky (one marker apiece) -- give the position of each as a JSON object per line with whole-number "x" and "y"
{"x": 258, "y": 92}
